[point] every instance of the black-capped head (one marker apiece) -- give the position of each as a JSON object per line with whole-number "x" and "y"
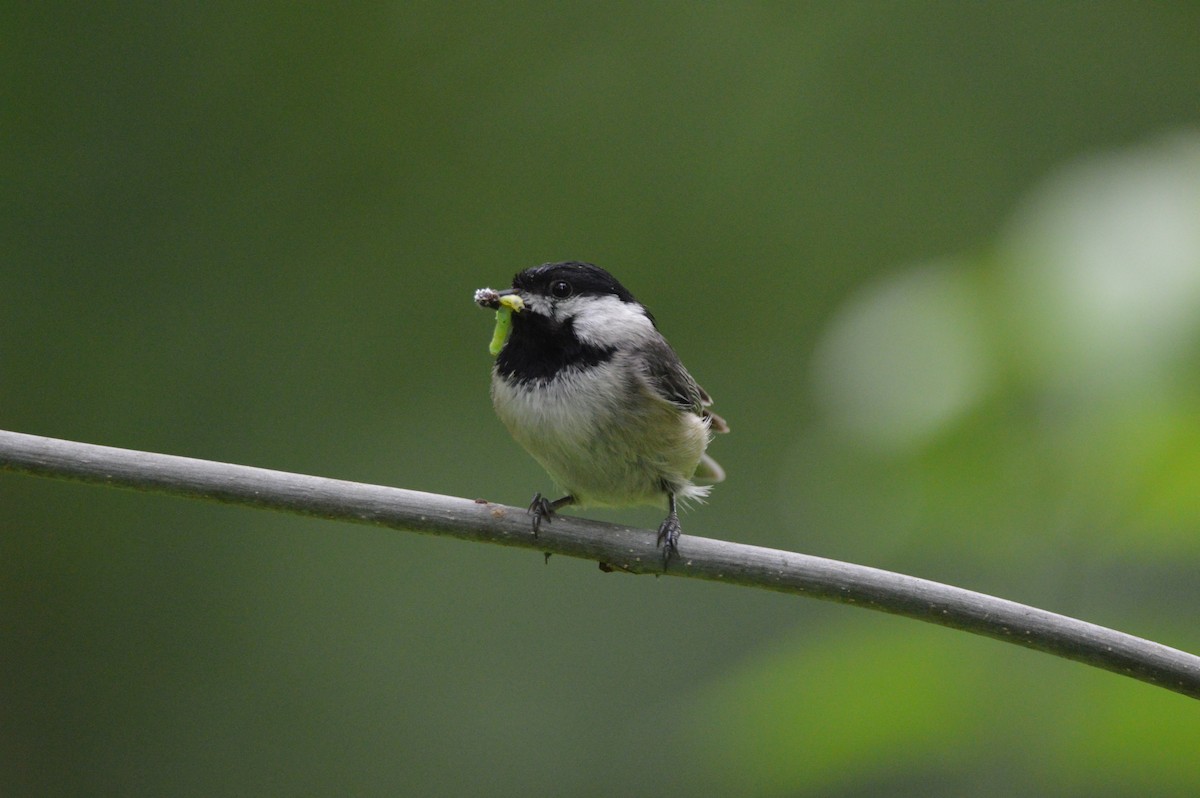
{"x": 578, "y": 294}
{"x": 574, "y": 314}
{"x": 561, "y": 281}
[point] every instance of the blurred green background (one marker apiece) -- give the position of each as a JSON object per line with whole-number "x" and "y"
{"x": 939, "y": 264}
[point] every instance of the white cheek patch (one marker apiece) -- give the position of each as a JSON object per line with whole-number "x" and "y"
{"x": 537, "y": 304}
{"x": 607, "y": 321}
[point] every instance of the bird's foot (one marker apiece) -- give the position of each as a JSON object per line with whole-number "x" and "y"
{"x": 540, "y": 508}
{"x": 543, "y": 509}
{"x": 668, "y": 537}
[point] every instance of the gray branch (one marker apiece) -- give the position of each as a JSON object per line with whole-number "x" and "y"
{"x": 624, "y": 548}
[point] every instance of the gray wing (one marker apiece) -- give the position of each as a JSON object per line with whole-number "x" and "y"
{"x": 671, "y": 381}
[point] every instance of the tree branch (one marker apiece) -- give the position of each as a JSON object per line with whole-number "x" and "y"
{"x": 622, "y": 547}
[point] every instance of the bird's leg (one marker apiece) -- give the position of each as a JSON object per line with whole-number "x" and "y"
{"x": 543, "y": 508}
{"x": 668, "y": 532}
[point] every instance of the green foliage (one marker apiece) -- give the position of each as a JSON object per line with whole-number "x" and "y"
{"x": 868, "y": 700}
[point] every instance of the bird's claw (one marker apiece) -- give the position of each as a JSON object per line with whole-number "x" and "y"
{"x": 540, "y": 508}
{"x": 668, "y": 537}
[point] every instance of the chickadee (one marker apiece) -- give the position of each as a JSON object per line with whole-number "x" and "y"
{"x": 590, "y": 388}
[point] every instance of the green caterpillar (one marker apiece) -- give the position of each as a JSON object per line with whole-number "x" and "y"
{"x": 505, "y": 306}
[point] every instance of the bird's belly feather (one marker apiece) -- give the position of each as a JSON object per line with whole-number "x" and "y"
{"x": 599, "y": 450}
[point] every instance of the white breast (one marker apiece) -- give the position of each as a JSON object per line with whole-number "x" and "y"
{"x": 603, "y": 436}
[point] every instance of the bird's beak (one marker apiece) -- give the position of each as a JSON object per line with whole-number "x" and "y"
{"x": 510, "y": 299}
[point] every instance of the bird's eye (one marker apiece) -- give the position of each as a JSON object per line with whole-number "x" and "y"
{"x": 560, "y": 289}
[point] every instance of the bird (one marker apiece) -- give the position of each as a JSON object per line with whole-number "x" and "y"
{"x": 587, "y": 385}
